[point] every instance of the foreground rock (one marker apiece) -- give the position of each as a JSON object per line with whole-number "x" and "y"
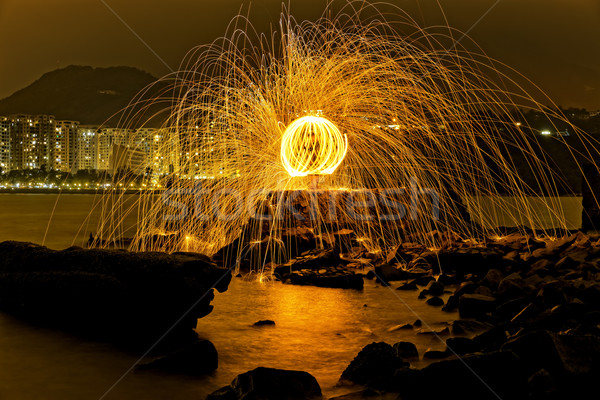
{"x": 115, "y": 295}
{"x": 530, "y": 316}
{"x": 196, "y": 359}
{"x": 270, "y": 384}
{"x": 373, "y": 362}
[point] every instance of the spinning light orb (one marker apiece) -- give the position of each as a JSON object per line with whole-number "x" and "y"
{"x": 312, "y": 146}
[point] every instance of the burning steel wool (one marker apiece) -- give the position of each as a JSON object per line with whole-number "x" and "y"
{"x": 368, "y": 103}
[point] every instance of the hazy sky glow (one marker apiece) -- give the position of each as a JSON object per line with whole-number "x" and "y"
{"x": 553, "y": 42}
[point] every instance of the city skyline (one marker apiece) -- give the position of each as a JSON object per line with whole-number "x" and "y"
{"x": 553, "y": 43}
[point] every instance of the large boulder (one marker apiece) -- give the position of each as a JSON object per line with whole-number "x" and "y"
{"x": 475, "y": 305}
{"x": 373, "y": 361}
{"x": 196, "y": 359}
{"x": 270, "y": 384}
{"x": 480, "y": 376}
{"x": 126, "y": 297}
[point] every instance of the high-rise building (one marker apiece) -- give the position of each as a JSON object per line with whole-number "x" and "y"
{"x": 86, "y": 154}
{"x": 4, "y": 145}
{"x": 107, "y": 138}
{"x": 29, "y": 136}
{"x": 62, "y": 157}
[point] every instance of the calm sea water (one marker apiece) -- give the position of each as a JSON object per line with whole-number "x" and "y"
{"x": 317, "y": 330}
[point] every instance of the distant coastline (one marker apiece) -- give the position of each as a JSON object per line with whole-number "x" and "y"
{"x": 71, "y": 191}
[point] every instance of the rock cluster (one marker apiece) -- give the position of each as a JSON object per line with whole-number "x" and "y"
{"x": 128, "y": 298}
{"x": 535, "y": 306}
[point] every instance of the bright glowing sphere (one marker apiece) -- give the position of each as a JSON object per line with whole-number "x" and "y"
{"x": 312, "y": 146}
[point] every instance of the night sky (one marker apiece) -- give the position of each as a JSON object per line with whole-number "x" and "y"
{"x": 553, "y": 42}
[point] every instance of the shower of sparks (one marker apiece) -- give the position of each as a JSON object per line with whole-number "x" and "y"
{"x": 367, "y": 103}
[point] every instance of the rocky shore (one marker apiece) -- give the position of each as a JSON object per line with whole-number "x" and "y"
{"x": 528, "y": 327}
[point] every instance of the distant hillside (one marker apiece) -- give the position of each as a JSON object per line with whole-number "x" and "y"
{"x": 85, "y": 94}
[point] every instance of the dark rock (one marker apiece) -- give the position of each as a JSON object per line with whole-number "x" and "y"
{"x": 423, "y": 280}
{"x": 435, "y": 354}
{"x": 492, "y": 279}
{"x": 406, "y": 350}
{"x": 475, "y": 305}
{"x": 418, "y": 323}
{"x": 465, "y": 288}
{"x": 542, "y": 385}
{"x": 373, "y": 361}
{"x": 511, "y": 287}
{"x": 441, "y": 332}
{"x": 388, "y": 273}
{"x": 529, "y": 311}
{"x": 451, "y": 304}
{"x": 270, "y": 384}
{"x": 115, "y": 295}
{"x": 264, "y": 322}
{"x": 363, "y": 394}
{"x": 197, "y": 359}
{"x": 435, "y": 288}
{"x": 551, "y": 294}
{"x": 484, "y": 290}
{"x": 423, "y": 294}
{"x": 511, "y": 308}
{"x": 469, "y": 326}
{"x": 435, "y": 301}
{"x": 447, "y": 280}
{"x": 407, "y": 286}
{"x": 330, "y": 278}
{"x": 481, "y": 376}
{"x": 557, "y": 353}
{"x": 400, "y": 327}
{"x": 462, "y": 345}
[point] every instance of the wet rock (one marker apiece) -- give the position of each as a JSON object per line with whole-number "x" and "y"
{"x": 511, "y": 287}
{"x": 435, "y": 354}
{"x": 439, "y": 332}
{"x": 481, "y": 376}
{"x": 407, "y": 286}
{"x": 558, "y": 353}
{"x": 447, "y": 280}
{"x": 197, "y": 359}
{"x": 551, "y": 294}
{"x": 270, "y": 384}
{"x": 423, "y": 280}
{"x": 469, "y": 326}
{"x": 363, "y": 394}
{"x": 484, "y": 290}
{"x": 528, "y": 312}
{"x": 406, "y": 350}
{"x": 462, "y": 345}
{"x": 115, "y": 295}
{"x": 492, "y": 279}
{"x": 400, "y": 327}
{"x": 388, "y": 273}
{"x": 475, "y": 305}
{"x": 435, "y": 288}
{"x": 451, "y": 304}
{"x": 330, "y": 278}
{"x": 542, "y": 386}
{"x": 373, "y": 361}
{"x": 435, "y": 301}
{"x": 264, "y": 322}
{"x": 465, "y": 288}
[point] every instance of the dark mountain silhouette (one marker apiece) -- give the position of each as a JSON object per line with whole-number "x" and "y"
{"x": 81, "y": 93}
